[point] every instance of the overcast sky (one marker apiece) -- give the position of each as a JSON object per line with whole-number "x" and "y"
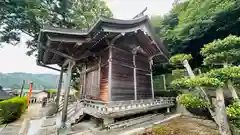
{"x": 14, "y": 59}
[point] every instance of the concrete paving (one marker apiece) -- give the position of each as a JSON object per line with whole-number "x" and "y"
{"x": 34, "y": 126}
{"x": 2, "y": 127}
{"x": 12, "y": 128}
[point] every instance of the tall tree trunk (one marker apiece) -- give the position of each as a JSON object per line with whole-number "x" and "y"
{"x": 231, "y": 87}
{"x": 223, "y": 125}
{"x": 192, "y": 75}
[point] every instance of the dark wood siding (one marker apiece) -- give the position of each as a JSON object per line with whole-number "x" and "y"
{"x": 144, "y": 90}
{"x": 122, "y": 57}
{"x": 105, "y": 56}
{"x": 142, "y": 62}
{"x": 104, "y": 83}
{"x": 122, "y": 83}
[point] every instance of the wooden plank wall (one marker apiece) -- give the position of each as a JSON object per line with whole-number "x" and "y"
{"x": 98, "y": 89}
{"x": 122, "y": 75}
{"x": 122, "y": 87}
{"x": 104, "y": 76}
{"x": 104, "y": 83}
{"x": 144, "y": 90}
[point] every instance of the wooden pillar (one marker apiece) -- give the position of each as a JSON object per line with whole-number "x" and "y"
{"x": 84, "y": 80}
{"x": 135, "y": 76}
{"x": 67, "y": 89}
{"x": 110, "y": 74}
{"x": 150, "y": 63}
{"x": 59, "y": 89}
{"x": 99, "y": 74}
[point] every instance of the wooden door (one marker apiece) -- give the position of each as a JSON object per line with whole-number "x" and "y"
{"x": 92, "y": 84}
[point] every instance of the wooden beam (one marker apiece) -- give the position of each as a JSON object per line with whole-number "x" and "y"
{"x": 87, "y": 54}
{"x": 110, "y": 74}
{"x": 150, "y": 63}
{"x": 92, "y": 68}
{"x": 135, "y": 76}
{"x": 151, "y": 57}
{"x": 68, "y": 40}
{"x": 120, "y": 49}
{"x": 118, "y": 63}
{"x": 99, "y": 74}
{"x": 57, "y": 52}
{"x": 67, "y": 89}
{"x": 84, "y": 80}
{"x": 81, "y": 86}
{"x": 40, "y": 64}
{"x": 59, "y": 89}
{"x": 110, "y": 44}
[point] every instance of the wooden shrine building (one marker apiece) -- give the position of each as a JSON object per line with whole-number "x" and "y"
{"x": 114, "y": 59}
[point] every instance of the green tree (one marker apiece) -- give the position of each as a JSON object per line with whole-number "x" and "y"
{"x": 215, "y": 78}
{"x": 225, "y": 52}
{"x": 28, "y": 16}
{"x": 193, "y": 23}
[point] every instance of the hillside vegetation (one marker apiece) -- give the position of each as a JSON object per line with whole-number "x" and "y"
{"x": 40, "y": 81}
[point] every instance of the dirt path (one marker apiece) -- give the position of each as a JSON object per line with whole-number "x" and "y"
{"x": 34, "y": 111}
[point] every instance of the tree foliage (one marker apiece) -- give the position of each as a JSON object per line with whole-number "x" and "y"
{"x": 230, "y": 56}
{"x": 233, "y": 110}
{"x": 179, "y": 58}
{"x": 193, "y": 23}
{"x": 28, "y": 16}
{"x": 222, "y": 51}
{"x": 192, "y": 101}
{"x": 228, "y": 43}
{"x": 225, "y": 74}
{"x": 200, "y": 81}
{"x": 214, "y": 78}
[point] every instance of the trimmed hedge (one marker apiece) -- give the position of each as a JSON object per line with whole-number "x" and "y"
{"x": 12, "y": 109}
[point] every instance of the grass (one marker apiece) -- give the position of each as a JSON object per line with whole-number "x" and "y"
{"x": 181, "y": 126}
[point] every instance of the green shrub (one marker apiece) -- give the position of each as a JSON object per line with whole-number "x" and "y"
{"x": 199, "y": 81}
{"x": 12, "y": 109}
{"x": 233, "y": 110}
{"x": 178, "y": 59}
{"x": 192, "y": 101}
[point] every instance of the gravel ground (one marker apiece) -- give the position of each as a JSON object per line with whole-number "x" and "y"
{"x": 183, "y": 126}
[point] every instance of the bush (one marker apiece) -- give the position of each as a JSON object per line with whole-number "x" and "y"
{"x": 179, "y": 58}
{"x": 12, "y": 109}
{"x": 233, "y": 110}
{"x": 192, "y": 101}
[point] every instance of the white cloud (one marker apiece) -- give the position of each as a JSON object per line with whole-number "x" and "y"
{"x": 14, "y": 59}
